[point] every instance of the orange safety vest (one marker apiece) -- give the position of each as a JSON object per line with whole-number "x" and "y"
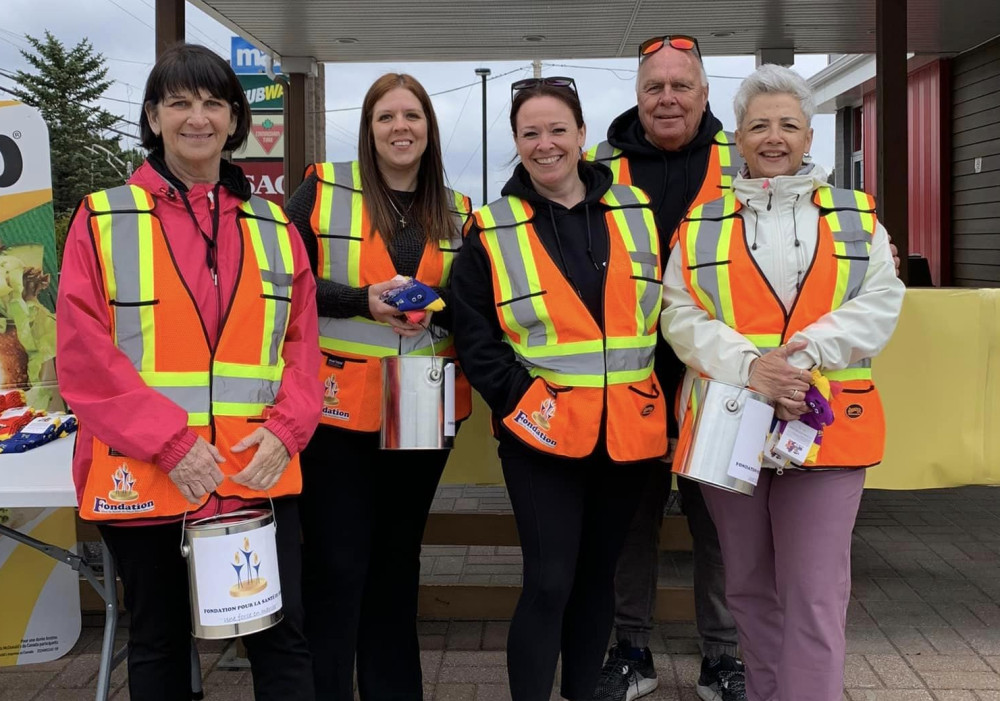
{"x": 354, "y": 347}
{"x": 581, "y": 373}
{"x": 155, "y": 323}
{"x": 724, "y": 280}
{"x": 724, "y": 164}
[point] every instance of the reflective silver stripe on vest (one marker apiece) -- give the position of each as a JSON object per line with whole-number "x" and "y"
{"x": 127, "y": 271}
{"x": 278, "y": 273}
{"x": 844, "y": 199}
{"x": 193, "y": 400}
{"x": 639, "y": 249}
{"x": 244, "y": 390}
{"x": 711, "y": 218}
{"x": 622, "y": 359}
{"x": 521, "y": 289}
{"x": 536, "y": 350}
{"x": 735, "y": 160}
{"x": 605, "y": 152}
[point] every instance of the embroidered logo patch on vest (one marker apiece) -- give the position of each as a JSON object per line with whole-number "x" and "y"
{"x": 854, "y": 411}
{"x": 330, "y": 400}
{"x": 330, "y": 389}
{"x": 122, "y": 497}
{"x": 538, "y": 424}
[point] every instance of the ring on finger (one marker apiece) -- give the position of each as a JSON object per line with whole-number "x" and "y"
{"x": 794, "y": 392}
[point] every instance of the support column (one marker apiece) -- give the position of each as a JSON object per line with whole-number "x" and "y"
{"x": 169, "y": 24}
{"x": 892, "y": 125}
{"x": 779, "y": 56}
{"x": 298, "y": 69}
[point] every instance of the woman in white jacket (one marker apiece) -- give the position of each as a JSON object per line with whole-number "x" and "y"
{"x": 782, "y": 277}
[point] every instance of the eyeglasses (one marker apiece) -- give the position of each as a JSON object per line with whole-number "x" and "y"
{"x": 556, "y": 81}
{"x": 681, "y": 42}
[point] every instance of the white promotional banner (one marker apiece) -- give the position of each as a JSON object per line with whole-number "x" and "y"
{"x": 40, "y": 606}
{"x": 236, "y": 576}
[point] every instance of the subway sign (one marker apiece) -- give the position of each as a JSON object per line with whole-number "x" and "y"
{"x": 262, "y": 92}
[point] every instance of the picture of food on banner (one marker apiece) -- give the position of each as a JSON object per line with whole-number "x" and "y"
{"x": 28, "y": 267}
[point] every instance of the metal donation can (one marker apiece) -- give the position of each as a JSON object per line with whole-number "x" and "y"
{"x": 232, "y": 574}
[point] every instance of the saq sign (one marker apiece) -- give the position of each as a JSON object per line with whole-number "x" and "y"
{"x": 247, "y": 58}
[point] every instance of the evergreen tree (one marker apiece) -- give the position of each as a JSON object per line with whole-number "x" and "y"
{"x": 63, "y": 86}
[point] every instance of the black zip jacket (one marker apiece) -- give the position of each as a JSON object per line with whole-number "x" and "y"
{"x": 577, "y": 241}
{"x": 672, "y": 180}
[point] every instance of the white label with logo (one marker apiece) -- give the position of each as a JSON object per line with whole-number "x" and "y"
{"x": 236, "y": 576}
{"x": 749, "y": 448}
{"x": 795, "y": 442}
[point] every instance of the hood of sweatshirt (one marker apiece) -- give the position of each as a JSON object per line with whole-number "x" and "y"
{"x": 596, "y": 177}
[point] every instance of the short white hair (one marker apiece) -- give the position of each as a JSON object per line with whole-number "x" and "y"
{"x": 703, "y": 76}
{"x": 772, "y": 79}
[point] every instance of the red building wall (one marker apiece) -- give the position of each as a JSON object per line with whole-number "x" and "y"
{"x": 929, "y": 154}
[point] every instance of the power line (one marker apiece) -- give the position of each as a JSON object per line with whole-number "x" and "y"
{"x": 458, "y": 120}
{"x": 135, "y": 17}
{"x": 503, "y": 109}
{"x": 440, "y": 92}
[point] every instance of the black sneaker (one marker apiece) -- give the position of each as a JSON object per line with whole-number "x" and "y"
{"x": 623, "y": 678}
{"x": 722, "y": 679}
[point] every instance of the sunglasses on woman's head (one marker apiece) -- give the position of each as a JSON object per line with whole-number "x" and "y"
{"x": 554, "y": 82}
{"x": 681, "y": 42}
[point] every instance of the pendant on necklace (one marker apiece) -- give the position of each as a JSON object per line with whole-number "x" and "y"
{"x": 402, "y": 221}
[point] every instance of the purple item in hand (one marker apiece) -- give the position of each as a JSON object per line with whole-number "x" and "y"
{"x": 820, "y": 414}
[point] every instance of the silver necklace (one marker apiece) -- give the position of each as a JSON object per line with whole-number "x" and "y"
{"x": 402, "y": 214}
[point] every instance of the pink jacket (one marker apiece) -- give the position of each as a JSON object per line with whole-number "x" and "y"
{"x": 99, "y": 383}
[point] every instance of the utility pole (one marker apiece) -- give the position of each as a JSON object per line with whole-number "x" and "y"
{"x": 483, "y": 73}
{"x": 536, "y": 67}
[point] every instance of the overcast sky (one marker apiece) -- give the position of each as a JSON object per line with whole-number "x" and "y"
{"x": 122, "y": 30}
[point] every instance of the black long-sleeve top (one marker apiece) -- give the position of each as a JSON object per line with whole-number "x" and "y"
{"x": 339, "y": 301}
{"x": 576, "y": 239}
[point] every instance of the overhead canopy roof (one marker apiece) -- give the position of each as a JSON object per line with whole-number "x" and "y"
{"x": 473, "y": 30}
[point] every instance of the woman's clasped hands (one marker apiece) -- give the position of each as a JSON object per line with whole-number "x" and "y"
{"x": 771, "y": 374}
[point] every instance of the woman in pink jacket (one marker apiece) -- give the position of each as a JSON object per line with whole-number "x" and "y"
{"x": 187, "y": 347}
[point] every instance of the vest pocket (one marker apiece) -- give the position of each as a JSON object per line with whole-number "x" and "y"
{"x": 557, "y": 420}
{"x": 520, "y": 297}
{"x": 637, "y": 421}
{"x": 856, "y": 438}
{"x": 352, "y": 391}
{"x": 122, "y": 488}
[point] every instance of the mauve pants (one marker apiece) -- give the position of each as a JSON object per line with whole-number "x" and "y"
{"x": 787, "y": 552}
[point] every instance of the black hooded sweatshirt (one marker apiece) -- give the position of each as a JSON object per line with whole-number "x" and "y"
{"x": 672, "y": 180}
{"x": 577, "y": 241}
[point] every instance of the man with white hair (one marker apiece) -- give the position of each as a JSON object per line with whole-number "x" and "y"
{"x": 673, "y": 147}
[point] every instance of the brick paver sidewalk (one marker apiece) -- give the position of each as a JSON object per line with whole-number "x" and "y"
{"x": 923, "y": 623}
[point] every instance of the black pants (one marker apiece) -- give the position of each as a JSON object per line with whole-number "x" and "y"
{"x": 154, "y": 577}
{"x": 363, "y": 517}
{"x": 572, "y": 516}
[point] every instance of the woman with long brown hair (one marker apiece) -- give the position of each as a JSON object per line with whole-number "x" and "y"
{"x": 368, "y": 225}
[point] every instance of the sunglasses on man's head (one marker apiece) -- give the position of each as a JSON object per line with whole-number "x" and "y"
{"x": 554, "y": 82}
{"x": 681, "y": 42}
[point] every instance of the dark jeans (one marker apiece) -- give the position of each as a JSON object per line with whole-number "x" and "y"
{"x": 155, "y": 581}
{"x": 363, "y": 517}
{"x": 571, "y": 516}
{"x": 635, "y": 579}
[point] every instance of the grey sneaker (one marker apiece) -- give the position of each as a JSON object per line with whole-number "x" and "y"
{"x": 722, "y": 679}
{"x": 623, "y": 678}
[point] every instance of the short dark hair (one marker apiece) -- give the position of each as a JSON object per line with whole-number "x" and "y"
{"x": 566, "y": 95}
{"x": 194, "y": 68}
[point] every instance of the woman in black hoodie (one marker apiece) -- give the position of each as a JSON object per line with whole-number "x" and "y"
{"x": 555, "y": 299}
